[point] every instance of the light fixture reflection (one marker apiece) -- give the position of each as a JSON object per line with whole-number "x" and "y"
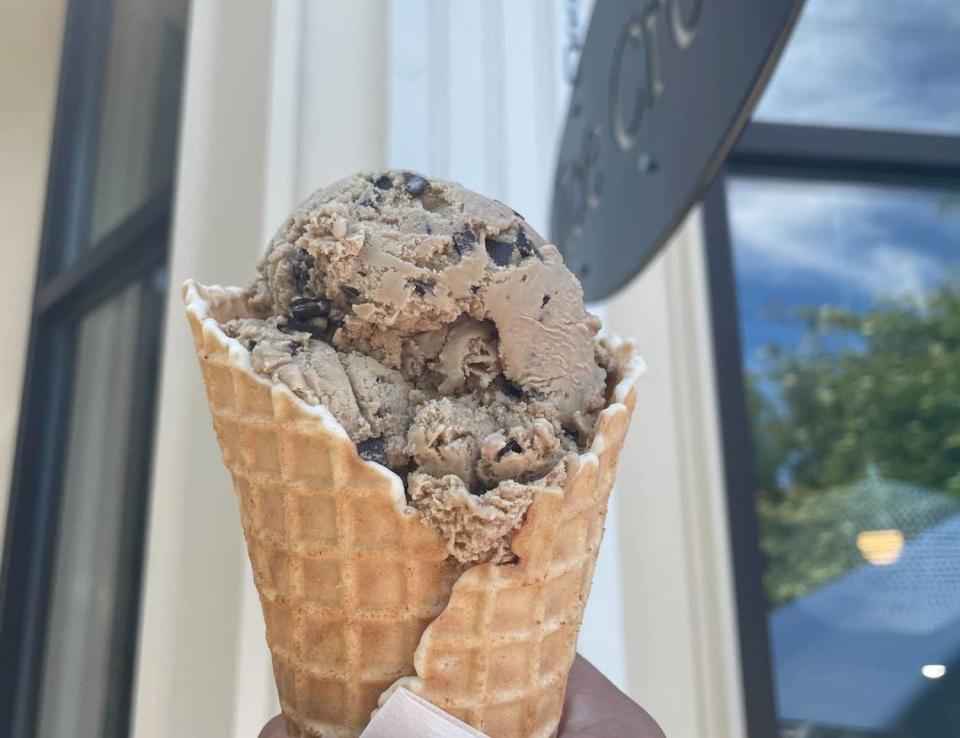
{"x": 933, "y": 671}
{"x": 880, "y": 547}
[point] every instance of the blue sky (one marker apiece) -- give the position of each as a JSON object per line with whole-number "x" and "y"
{"x": 809, "y": 243}
{"x": 892, "y": 64}
{"x": 871, "y": 64}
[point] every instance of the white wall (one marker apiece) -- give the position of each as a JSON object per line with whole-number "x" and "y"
{"x": 31, "y": 37}
{"x": 477, "y": 94}
{"x": 681, "y": 641}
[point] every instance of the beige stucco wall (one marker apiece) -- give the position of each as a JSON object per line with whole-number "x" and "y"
{"x": 30, "y": 42}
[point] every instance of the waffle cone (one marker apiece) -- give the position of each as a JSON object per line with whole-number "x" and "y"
{"x": 359, "y": 596}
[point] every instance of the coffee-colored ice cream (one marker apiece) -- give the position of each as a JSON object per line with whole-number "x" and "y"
{"x": 446, "y": 337}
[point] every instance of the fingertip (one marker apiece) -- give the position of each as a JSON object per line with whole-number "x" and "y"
{"x": 276, "y": 728}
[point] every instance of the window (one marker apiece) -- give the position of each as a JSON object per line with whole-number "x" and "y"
{"x": 878, "y": 64}
{"x": 75, "y": 527}
{"x": 834, "y": 251}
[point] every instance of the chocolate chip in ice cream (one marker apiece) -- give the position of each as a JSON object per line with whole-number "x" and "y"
{"x": 351, "y": 292}
{"x": 499, "y": 251}
{"x": 383, "y": 183}
{"x": 510, "y": 447}
{"x": 464, "y": 241}
{"x": 331, "y": 329}
{"x": 414, "y": 184}
{"x": 302, "y": 264}
{"x": 292, "y": 325}
{"x": 373, "y": 449}
{"x": 421, "y": 288}
{"x": 304, "y": 309}
{"x": 524, "y": 246}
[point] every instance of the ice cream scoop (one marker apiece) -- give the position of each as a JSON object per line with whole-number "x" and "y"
{"x": 440, "y": 329}
{"x": 378, "y": 260}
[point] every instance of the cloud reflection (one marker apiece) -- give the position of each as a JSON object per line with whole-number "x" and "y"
{"x": 788, "y": 233}
{"x": 871, "y": 64}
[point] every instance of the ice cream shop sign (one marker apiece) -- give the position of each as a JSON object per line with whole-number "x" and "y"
{"x": 663, "y": 88}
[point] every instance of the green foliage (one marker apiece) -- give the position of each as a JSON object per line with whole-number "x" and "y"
{"x": 810, "y": 537}
{"x": 804, "y": 546}
{"x": 876, "y": 390}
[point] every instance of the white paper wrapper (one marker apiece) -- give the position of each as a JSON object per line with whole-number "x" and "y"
{"x": 405, "y": 715}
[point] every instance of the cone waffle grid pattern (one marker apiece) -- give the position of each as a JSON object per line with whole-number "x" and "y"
{"x": 348, "y": 576}
{"x": 351, "y": 581}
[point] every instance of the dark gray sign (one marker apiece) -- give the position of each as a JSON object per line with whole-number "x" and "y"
{"x": 663, "y": 89}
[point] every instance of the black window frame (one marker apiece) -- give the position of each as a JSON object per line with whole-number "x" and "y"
{"x": 134, "y": 251}
{"x": 797, "y": 152}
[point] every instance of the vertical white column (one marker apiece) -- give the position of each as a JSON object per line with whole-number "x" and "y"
{"x": 477, "y": 95}
{"x": 681, "y": 644}
{"x": 342, "y": 91}
{"x": 603, "y": 636}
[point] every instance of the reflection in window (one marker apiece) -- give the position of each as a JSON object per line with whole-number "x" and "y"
{"x": 83, "y": 598}
{"x": 137, "y": 137}
{"x": 870, "y": 64}
{"x": 849, "y": 300}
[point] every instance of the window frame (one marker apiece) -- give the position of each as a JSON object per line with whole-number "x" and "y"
{"x": 135, "y": 250}
{"x": 800, "y": 152}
